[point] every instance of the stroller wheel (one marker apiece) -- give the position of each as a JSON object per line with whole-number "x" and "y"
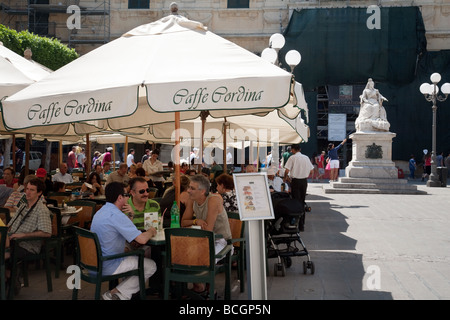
{"x": 288, "y": 262}
{"x": 308, "y": 265}
{"x": 279, "y": 267}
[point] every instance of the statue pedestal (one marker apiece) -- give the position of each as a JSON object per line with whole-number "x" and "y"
{"x": 372, "y": 156}
{"x": 372, "y": 170}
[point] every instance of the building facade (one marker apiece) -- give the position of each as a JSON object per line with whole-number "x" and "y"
{"x": 249, "y": 23}
{"x": 85, "y": 25}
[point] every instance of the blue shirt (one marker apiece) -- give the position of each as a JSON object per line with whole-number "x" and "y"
{"x": 113, "y": 228}
{"x": 333, "y": 153}
{"x": 412, "y": 164}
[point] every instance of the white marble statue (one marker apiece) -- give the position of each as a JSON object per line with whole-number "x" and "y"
{"x": 372, "y": 115}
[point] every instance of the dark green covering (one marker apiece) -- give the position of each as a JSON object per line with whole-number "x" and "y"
{"x": 337, "y": 48}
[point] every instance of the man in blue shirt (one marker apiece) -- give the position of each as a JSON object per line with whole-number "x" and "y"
{"x": 113, "y": 228}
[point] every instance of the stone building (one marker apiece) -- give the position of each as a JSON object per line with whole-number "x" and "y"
{"x": 85, "y": 25}
{"x": 249, "y": 23}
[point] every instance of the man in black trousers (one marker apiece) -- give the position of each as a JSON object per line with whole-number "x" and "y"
{"x": 297, "y": 169}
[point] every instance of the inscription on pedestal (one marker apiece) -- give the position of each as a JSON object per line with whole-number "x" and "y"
{"x": 374, "y": 152}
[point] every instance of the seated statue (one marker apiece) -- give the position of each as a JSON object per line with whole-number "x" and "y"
{"x": 372, "y": 115}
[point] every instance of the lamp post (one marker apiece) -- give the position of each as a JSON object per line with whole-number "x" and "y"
{"x": 292, "y": 58}
{"x": 276, "y": 42}
{"x": 431, "y": 93}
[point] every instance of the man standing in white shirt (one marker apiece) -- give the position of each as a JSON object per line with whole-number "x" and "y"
{"x": 297, "y": 169}
{"x": 130, "y": 158}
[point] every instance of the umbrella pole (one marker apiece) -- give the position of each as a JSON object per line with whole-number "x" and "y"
{"x": 60, "y": 155}
{"x": 27, "y": 153}
{"x": 204, "y": 115}
{"x": 87, "y": 165}
{"x": 13, "y": 153}
{"x": 125, "y": 155}
{"x": 225, "y": 164}
{"x": 177, "y": 158}
{"x": 242, "y": 155}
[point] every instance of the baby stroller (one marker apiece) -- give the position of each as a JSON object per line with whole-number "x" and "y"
{"x": 283, "y": 233}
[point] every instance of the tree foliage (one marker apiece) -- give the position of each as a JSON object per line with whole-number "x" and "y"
{"x": 49, "y": 52}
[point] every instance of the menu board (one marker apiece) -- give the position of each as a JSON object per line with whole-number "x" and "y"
{"x": 253, "y": 196}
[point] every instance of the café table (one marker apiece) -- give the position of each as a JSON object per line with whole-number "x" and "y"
{"x": 66, "y": 212}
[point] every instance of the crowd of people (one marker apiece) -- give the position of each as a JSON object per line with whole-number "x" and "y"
{"x": 205, "y": 198}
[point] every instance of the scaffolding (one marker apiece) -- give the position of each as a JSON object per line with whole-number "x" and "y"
{"x": 50, "y": 18}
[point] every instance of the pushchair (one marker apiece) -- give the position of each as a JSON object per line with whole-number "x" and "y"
{"x": 283, "y": 233}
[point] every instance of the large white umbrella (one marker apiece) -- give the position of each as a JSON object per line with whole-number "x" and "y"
{"x": 16, "y": 72}
{"x": 149, "y": 73}
{"x": 141, "y": 78}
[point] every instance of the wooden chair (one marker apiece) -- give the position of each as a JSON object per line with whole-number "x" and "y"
{"x": 190, "y": 257}
{"x": 80, "y": 174}
{"x": 59, "y": 196}
{"x": 84, "y": 217}
{"x": 90, "y": 260}
{"x": 238, "y": 241}
{"x": 47, "y": 245}
{"x": 74, "y": 186}
{"x": 5, "y": 215}
{"x": 153, "y": 192}
{"x": 3, "y": 234}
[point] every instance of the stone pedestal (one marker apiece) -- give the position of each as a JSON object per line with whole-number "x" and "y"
{"x": 372, "y": 156}
{"x": 372, "y": 170}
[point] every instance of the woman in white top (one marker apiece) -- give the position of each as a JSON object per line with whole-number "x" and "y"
{"x": 151, "y": 166}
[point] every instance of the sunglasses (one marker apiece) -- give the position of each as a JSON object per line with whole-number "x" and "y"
{"x": 126, "y": 195}
{"x": 142, "y": 191}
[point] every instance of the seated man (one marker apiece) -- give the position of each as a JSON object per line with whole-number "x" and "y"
{"x": 31, "y": 220}
{"x": 62, "y": 175}
{"x": 207, "y": 211}
{"x": 9, "y": 177}
{"x": 120, "y": 175}
{"x": 113, "y": 229}
{"x": 139, "y": 202}
{"x": 275, "y": 182}
{"x": 106, "y": 170}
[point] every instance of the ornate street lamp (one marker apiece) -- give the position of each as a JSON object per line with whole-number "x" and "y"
{"x": 276, "y": 42}
{"x": 431, "y": 93}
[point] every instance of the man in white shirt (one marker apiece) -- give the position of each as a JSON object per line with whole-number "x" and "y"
{"x": 62, "y": 175}
{"x": 297, "y": 169}
{"x": 130, "y": 158}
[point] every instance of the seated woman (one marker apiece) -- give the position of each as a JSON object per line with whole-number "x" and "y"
{"x": 225, "y": 187}
{"x": 140, "y": 172}
{"x": 132, "y": 171}
{"x": 93, "y": 184}
{"x": 169, "y": 197}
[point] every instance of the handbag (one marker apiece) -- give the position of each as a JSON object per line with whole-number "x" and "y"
{"x": 328, "y": 166}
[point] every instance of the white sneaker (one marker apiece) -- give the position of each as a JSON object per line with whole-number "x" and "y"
{"x": 113, "y": 296}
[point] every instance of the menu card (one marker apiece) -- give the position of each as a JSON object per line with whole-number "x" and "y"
{"x": 253, "y": 196}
